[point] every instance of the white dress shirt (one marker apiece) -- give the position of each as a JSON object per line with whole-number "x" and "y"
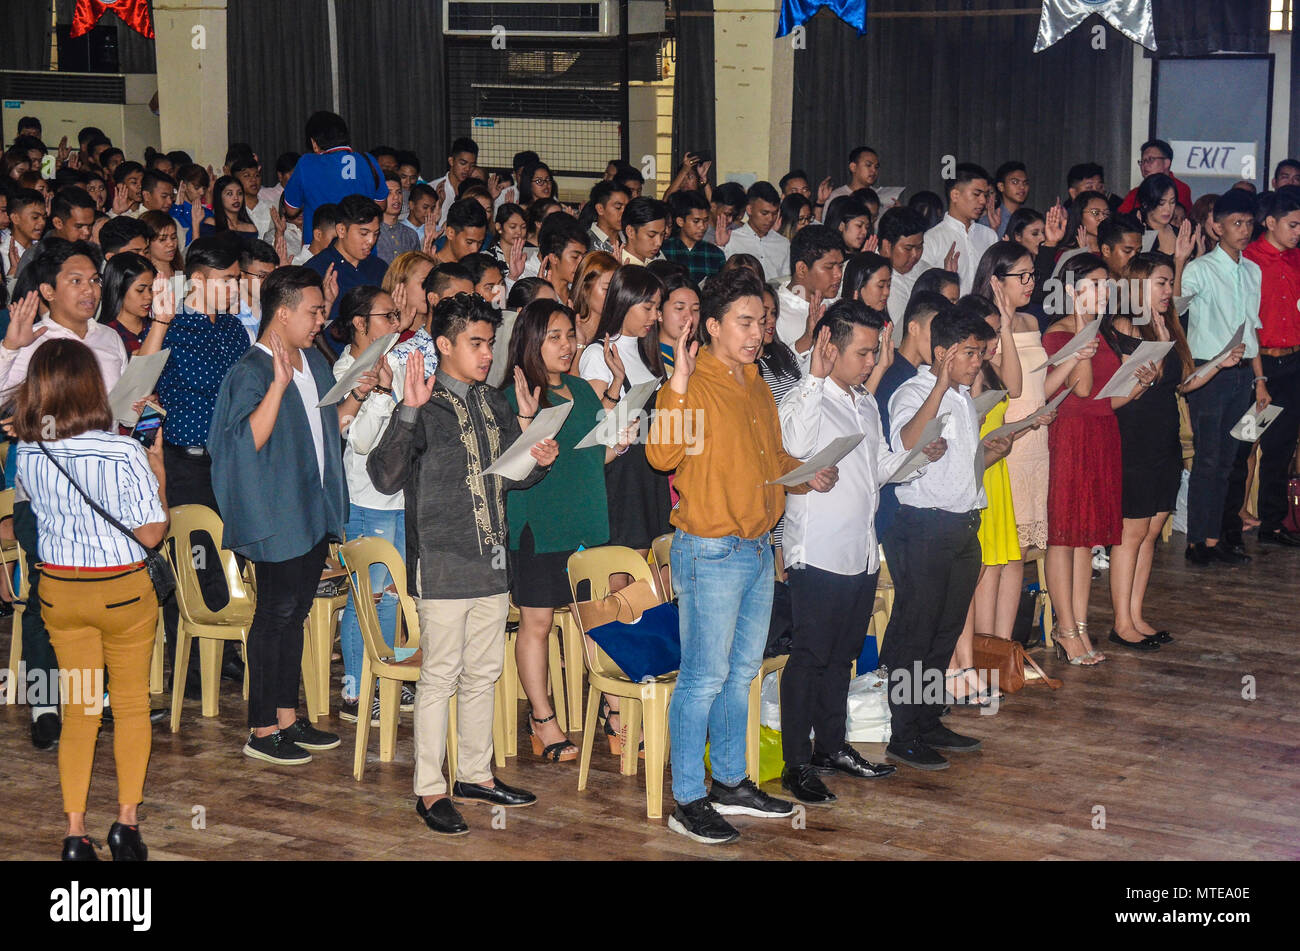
{"x": 310, "y": 396}
{"x": 361, "y": 490}
{"x": 900, "y": 292}
{"x": 835, "y": 531}
{"x": 772, "y": 250}
{"x": 261, "y": 216}
{"x": 793, "y": 321}
{"x": 102, "y": 340}
{"x": 948, "y": 484}
{"x": 592, "y": 366}
{"x": 971, "y": 245}
{"x": 443, "y": 188}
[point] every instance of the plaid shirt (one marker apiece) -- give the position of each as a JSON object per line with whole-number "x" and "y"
{"x": 701, "y": 262}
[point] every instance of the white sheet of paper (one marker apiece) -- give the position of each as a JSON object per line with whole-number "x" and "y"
{"x": 915, "y": 459}
{"x": 1010, "y": 429}
{"x": 605, "y": 432}
{"x": 985, "y": 402}
{"x": 137, "y": 381}
{"x": 377, "y": 350}
{"x": 1251, "y": 426}
{"x": 516, "y": 462}
{"x": 1077, "y": 343}
{"x": 835, "y": 450}
{"x": 888, "y": 195}
{"x": 1209, "y": 365}
{"x": 1148, "y": 351}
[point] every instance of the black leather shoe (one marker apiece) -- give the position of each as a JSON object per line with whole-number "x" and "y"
{"x": 942, "y": 738}
{"x": 803, "y": 784}
{"x": 441, "y": 817}
{"x": 1162, "y": 637}
{"x": 850, "y": 761}
{"x": 45, "y": 730}
{"x": 232, "y": 668}
{"x": 159, "y": 715}
{"x": 915, "y": 754}
{"x": 125, "y": 843}
{"x": 498, "y": 795}
{"x": 1146, "y": 644}
{"x": 1198, "y": 555}
{"x": 1279, "y": 536}
{"x": 78, "y": 848}
{"x": 1228, "y": 555}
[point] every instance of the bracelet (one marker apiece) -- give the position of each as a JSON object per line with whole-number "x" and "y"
{"x": 622, "y": 449}
{"x": 606, "y": 396}
{"x": 1260, "y": 379}
{"x": 353, "y": 394}
{"x": 522, "y": 416}
{"x": 386, "y": 390}
{"x": 165, "y": 323}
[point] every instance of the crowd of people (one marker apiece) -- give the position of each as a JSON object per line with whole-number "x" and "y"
{"x": 935, "y": 331}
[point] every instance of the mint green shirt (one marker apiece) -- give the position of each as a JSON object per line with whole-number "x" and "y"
{"x": 1222, "y": 295}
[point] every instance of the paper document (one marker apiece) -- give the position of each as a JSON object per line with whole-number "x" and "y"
{"x": 915, "y": 459}
{"x": 888, "y": 195}
{"x": 835, "y": 450}
{"x": 1077, "y": 343}
{"x": 1125, "y": 378}
{"x": 985, "y": 402}
{"x": 1209, "y": 365}
{"x": 620, "y": 417}
{"x": 369, "y": 357}
{"x": 1251, "y": 426}
{"x": 517, "y": 461}
{"x": 1010, "y": 429}
{"x": 137, "y": 382}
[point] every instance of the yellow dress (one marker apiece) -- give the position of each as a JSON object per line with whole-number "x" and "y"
{"x": 999, "y": 539}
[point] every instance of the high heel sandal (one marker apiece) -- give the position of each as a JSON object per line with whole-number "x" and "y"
{"x": 615, "y": 737}
{"x": 561, "y": 752}
{"x": 1071, "y": 634}
{"x": 1082, "y": 628}
{"x": 966, "y": 699}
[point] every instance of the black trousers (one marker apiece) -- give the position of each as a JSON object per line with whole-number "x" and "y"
{"x": 1279, "y": 441}
{"x": 285, "y": 590}
{"x": 935, "y": 566}
{"x": 38, "y": 653}
{"x": 831, "y": 614}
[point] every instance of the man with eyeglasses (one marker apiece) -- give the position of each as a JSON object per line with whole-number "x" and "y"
{"x": 1157, "y": 158}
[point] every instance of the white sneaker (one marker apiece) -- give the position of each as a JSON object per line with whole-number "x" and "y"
{"x": 1100, "y": 560}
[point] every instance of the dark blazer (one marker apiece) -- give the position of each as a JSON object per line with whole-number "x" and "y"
{"x": 272, "y": 500}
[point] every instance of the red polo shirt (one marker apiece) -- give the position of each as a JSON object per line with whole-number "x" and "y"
{"x": 1129, "y": 204}
{"x": 1279, "y": 293}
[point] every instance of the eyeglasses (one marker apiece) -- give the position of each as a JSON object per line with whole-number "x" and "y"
{"x": 541, "y": 181}
{"x": 804, "y": 219}
{"x": 1152, "y": 160}
{"x": 392, "y": 315}
{"x": 1026, "y": 277}
{"x": 1101, "y": 213}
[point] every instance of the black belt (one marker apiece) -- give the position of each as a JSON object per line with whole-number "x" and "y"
{"x": 198, "y": 452}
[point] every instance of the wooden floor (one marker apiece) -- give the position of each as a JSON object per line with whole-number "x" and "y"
{"x": 1184, "y": 767}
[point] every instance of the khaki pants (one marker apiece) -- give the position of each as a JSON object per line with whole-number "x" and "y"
{"x": 462, "y": 642}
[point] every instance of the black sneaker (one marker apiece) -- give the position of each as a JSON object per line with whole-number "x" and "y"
{"x": 698, "y": 820}
{"x": 1198, "y": 554}
{"x": 303, "y": 734}
{"x": 1278, "y": 536}
{"x": 275, "y": 748}
{"x": 915, "y": 754}
{"x": 746, "y": 799}
{"x": 942, "y": 738}
{"x": 1228, "y": 555}
{"x": 408, "y": 700}
{"x": 348, "y": 711}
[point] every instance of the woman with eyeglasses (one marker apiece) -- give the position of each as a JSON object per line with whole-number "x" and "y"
{"x": 796, "y": 213}
{"x": 1157, "y": 197}
{"x": 1087, "y": 212}
{"x": 538, "y": 183}
{"x": 367, "y": 313}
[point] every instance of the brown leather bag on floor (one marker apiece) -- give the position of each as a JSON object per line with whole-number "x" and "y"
{"x": 1008, "y": 659}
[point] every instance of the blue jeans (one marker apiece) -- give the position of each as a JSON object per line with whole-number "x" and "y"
{"x": 724, "y": 593}
{"x": 389, "y": 524}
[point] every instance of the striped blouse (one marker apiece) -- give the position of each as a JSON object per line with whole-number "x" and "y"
{"x": 114, "y": 471}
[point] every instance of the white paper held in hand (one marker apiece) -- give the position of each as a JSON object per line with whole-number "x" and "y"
{"x": 1222, "y": 355}
{"x": 986, "y": 401}
{"x": 517, "y": 461}
{"x": 916, "y": 458}
{"x": 834, "y": 451}
{"x": 1251, "y": 426}
{"x": 1124, "y": 379}
{"x": 137, "y": 381}
{"x": 605, "y": 432}
{"x": 1076, "y": 343}
{"x": 1010, "y": 429}
{"x": 369, "y": 357}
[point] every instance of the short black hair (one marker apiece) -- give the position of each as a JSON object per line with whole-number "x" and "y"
{"x": 259, "y": 251}
{"x": 153, "y": 178}
{"x": 952, "y": 326}
{"x": 327, "y": 130}
{"x": 421, "y": 190}
{"x": 683, "y": 202}
{"x": 791, "y": 176}
{"x": 641, "y": 211}
{"x": 602, "y": 191}
{"x": 119, "y": 231}
{"x": 1083, "y": 170}
{"x": 1006, "y": 168}
{"x": 466, "y": 213}
{"x": 29, "y": 122}
{"x": 240, "y": 152}
{"x": 935, "y": 279}
{"x": 523, "y": 160}
{"x": 1280, "y": 203}
{"x": 1113, "y": 229}
{"x": 124, "y": 169}
{"x": 813, "y": 242}
{"x": 922, "y": 306}
{"x": 286, "y": 162}
{"x": 66, "y": 199}
{"x": 380, "y": 151}
{"x": 407, "y": 157}
{"x": 763, "y": 191}
{"x": 625, "y": 172}
{"x": 87, "y": 133}
{"x": 721, "y": 291}
{"x": 453, "y": 314}
{"x": 900, "y": 222}
{"x": 845, "y": 314}
{"x": 463, "y": 144}
{"x": 480, "y": 263}
{"x": 325, "y": 217}
{"x": 858, "y": 152}
{"x": 283, "y": 287}
{"x": 211, "y": 253}
{"x": 436, "y": 281}
{"x": 963, "y": 173}
{"x": 53, "y": 254}
{"x": 557, "y": 232}
{"x": 524, "y": 292}
{"x": 1165, "y": 148}
{"x": 22, "y": 197}
{"x": 357, "y": 210}
{"x": 730, "y": 194}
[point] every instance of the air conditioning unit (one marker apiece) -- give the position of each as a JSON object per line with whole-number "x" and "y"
{"x": 592, "y": 19}
{"x": 118, "y": 103}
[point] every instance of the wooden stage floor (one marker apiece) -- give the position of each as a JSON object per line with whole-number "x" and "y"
{"x": 1184, "y": 767}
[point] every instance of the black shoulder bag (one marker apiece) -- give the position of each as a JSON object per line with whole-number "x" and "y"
{"x": 160, "y": 572}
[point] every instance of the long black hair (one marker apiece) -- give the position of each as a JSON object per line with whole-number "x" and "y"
{"x": 997, "y": 261}
{"x": 525, "y": 350}
{"x": 120, "y": 273}
{"x": 858, "y": 270}
{"x": 632, "y": 285}
{"x": 776, "y": 356}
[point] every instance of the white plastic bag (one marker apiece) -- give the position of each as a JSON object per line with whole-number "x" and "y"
{"x": 868, "y": 713}
{"x": 1180, "y": 510}
{"x": 769, "y": 711}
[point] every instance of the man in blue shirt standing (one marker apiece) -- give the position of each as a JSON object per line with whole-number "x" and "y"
{"x": 334, "y": 171}
{"x": 355, "y": 236}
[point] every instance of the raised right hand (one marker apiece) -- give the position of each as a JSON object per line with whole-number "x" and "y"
{"x": 22, "y": 316}
{"x": 416, "y": 390}
{"x": 824, "y": 355}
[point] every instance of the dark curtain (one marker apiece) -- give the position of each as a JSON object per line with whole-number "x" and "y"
{"x": 1293, "y": 140}
{"x": 694, "y": 126}
{"x": 391, "y": 88}
{"x": 278, "y": 63}
{"x": 135, "y": 53}
{"x": 918, "y": 89}
{"x": 1200, "y": 27}
{"x": 25, "y": 35}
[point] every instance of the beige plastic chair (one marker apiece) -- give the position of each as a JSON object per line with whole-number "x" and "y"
{"x": 589, "y": 573}
{"x": 753, "y": 724}
{"x": 378, "y": 660}
{"x": 197, "y": 620}
{"x": 1043, "y": 605}
{"x": 16, "y": 628}
{"x": 661, "y": 560}
{"x": 510, "y": 689}
{"x": 319, "y": 631}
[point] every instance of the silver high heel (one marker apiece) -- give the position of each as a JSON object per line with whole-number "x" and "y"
{"x": 1082, "y": 628}
{"x": 1070, "y": 634}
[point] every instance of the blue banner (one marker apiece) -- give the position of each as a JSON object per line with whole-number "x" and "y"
{"x": 798, "y": 12}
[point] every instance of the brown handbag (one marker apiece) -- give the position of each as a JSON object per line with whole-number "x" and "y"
{"x": 1008, "y": 659}
{"x": 626, "y": 605}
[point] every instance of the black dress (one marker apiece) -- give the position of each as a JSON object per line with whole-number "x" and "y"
{"x": 638, "y": 495}
{"x": 1148, "y": 434}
